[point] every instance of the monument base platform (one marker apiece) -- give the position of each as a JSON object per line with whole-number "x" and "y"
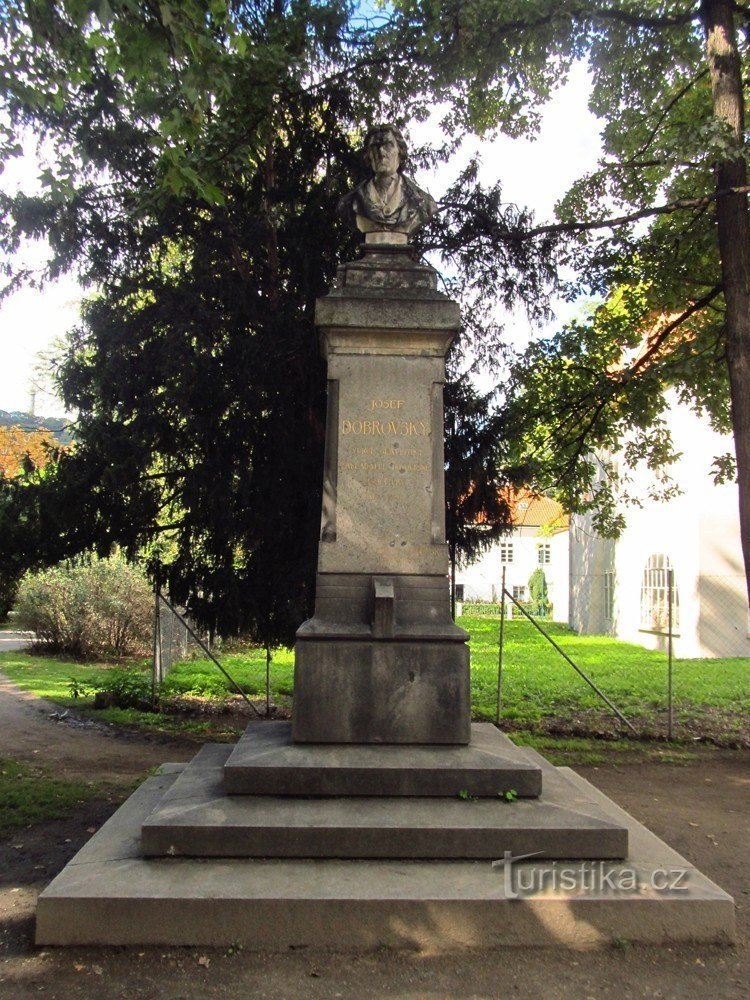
{"x": 266, "y": 762}
{"x": 110, "y": 895}
{"x": 196, "y": 818}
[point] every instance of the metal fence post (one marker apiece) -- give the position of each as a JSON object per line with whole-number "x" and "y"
{"x": 500, "y": 651}
{"x": 670, "y": 710}
{"x": 156, "y": 677}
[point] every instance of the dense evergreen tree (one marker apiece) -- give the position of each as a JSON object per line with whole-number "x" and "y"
{"x": 197, "y": 152}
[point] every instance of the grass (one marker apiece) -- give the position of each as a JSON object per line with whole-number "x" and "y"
{"x": 538, "y": 684}
{"x": 28, "y": 796}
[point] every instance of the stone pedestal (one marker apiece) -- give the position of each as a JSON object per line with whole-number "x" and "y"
{"x": 381, "y": 661}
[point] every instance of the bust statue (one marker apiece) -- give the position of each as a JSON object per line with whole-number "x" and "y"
{"x": 389, "y": 202}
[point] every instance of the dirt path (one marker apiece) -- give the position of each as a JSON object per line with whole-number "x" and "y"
{"x": 76, "y": 749}
{"x": 702, "y": 808}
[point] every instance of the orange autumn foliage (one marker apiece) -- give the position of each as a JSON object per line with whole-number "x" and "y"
{"x": 16, "y": 443}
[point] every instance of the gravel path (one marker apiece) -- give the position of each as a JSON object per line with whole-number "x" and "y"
{"x": 73, "y": 748}
{"x": 10, "y": 641}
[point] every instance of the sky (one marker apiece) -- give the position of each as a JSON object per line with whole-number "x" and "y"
{"x": 533, "y": 173}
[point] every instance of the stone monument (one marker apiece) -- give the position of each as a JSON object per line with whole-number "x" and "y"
{"x": 383, "y": 818}
{"x": 381, "y": 661}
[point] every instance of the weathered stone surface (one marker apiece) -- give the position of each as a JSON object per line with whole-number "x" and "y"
{"x": 381, "y": 691}
{"x": 196, "y": 818}
{"x": 388, "y": 204}
{"x": 109, "y": 895}
{"x": 345, "y": 607}
{"x": 386, "y": 498}
{"x": 381, "y": 660}
{"x": 266, "y": 762}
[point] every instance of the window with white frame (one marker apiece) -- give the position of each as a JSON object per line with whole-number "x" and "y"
{"x": 544, "y": 554}
{"x": 657, "y": 585}
{"x": 506, "y": 552}
{"x": 519, "y": 592}
{"x": 609, "y": 596}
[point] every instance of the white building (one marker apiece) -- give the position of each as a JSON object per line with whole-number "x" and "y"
{"x": 621, "y": 587}
{"x": 539, "y": 539}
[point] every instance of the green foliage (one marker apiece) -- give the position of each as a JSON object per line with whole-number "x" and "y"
{"x": 197, "y": 151}
{"x": 640, "y": 231}
{"x": 78, "y": 688}
{"x": 203, "y": 681}
{"x": 122, "y": 688}
{"x": 539, "y": 602}
{"x": 8, "y": 590}
{"x": 197, "y": 154}
{"x": 98, "y": 607}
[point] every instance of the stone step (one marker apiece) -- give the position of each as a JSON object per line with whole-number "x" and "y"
{"x": 196, "y": 818}
{"x": 109, "y": 895}
{"x": 266, "y": 762}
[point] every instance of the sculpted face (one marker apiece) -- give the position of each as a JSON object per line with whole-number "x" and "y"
{"x": 384, "y": 154}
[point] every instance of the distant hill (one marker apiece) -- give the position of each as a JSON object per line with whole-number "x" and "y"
{"x": 27, "y": 422}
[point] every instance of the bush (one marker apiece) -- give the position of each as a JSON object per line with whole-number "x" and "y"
{"x": 202, "y": 684}
{"x": 101, "y": 607}
{"x": 123, "y": 689}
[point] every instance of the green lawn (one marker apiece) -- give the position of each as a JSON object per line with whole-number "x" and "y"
{"x": 28, "y": 796}
{"x": 537, "y": 682}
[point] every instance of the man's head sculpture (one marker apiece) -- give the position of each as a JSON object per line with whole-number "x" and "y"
{"x": 382, "y": 141}
{"x": 388, "y": 202}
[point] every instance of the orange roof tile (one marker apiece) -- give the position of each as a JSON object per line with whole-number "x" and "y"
{"x": 531, "y": 510}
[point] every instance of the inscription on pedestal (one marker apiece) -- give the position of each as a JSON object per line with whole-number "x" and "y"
{"x": 384, "y": 462}
{"x": 386, "y": 457}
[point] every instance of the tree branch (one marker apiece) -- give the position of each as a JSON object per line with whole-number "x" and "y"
{"x": 637, "y": 20}
{"x": 667, "y": 108}
{"x": 657, "y": 342}
{"x": 499, "y": 232}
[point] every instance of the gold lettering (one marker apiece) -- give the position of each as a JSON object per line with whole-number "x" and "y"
{"x": 386, "y": 404}
{"x": 371, "y": 428}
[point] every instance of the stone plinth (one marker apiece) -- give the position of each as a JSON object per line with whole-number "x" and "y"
{"x": 196, "y": 818}
{"x": 110, "y": 895}
{"x": 266, "y": 762}
{"x": 381, "y": 661}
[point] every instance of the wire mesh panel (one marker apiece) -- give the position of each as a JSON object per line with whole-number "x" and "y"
{"x": 172, "y": 639}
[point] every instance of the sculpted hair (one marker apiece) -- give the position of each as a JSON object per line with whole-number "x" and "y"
{"x": 375, "y": 132}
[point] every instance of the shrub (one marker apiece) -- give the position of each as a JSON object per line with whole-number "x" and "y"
{"x": 100, "y": 607}
{"x": 209, "y": 684}
{"x": 123, "y": 689}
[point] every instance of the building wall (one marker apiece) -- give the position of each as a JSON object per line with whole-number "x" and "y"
{"x": 482, "y": 579}
{"x": 697, "y": 531}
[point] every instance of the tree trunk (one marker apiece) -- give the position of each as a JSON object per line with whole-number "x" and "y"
{"x": 733, "y": 227}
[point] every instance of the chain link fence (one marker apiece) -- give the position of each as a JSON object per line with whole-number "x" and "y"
{"x": 652, "y": 655}
{"x": 173, "y": 641}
